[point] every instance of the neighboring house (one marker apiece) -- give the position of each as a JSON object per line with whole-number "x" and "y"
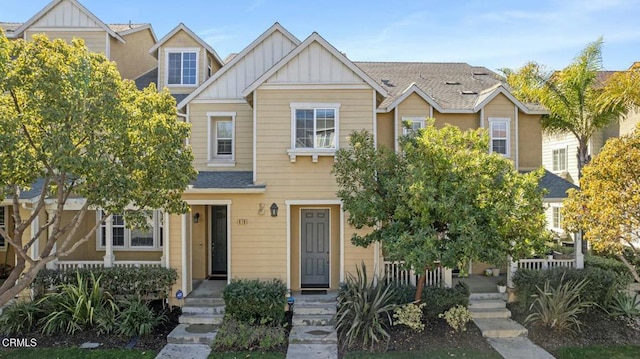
{"x": 265, "y": 129}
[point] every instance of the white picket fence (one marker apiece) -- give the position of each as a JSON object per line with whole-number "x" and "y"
{"x": 65, "y": 265}
{"x": 545, "y": 263}
{"x": 397, "y": 273}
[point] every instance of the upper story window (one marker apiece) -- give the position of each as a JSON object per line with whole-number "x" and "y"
{"x": 412, "y": 124}
{"x": 124, "y": 238}
{"x": 559, "y": 159}
{"x": 557, "y": 217}
{"x": 182, "y": 67}
{"x": 314, "y": 129}
{"x": 221, "y": 147}
{"x": 499, "y": 132}
{"x": 3, "y": 226}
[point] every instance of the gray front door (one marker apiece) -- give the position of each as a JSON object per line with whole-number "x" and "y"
{"x": 219, "y": 241}
{"x": 314, "y": 247}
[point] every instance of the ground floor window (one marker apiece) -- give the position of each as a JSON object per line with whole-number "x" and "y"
{"x": 124, "y": 238}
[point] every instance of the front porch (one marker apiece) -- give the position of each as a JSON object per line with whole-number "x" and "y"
{"x": 77, "y": 264}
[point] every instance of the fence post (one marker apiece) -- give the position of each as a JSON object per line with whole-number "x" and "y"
{"x": 447, "y": 277}
{"x": 511, "y": 270}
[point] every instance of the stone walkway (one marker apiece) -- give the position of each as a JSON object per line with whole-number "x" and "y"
{"x": 313, "y": 334}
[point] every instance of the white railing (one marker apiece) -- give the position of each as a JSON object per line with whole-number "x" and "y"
{"x": 546, "y": 263}
{"x": 64, "y": 265}
{"x": 137, "y": 264}
{"x": 436, "y": 277}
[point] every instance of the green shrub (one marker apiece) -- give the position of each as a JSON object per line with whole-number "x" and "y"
{"x": 622, "y": 272}
{"x": 20, "y": 318}
{"x": 602, "y": 288}
{"x": 557, "y": 307}
{"x": 404, "y": 293}
{"x": 255, "y": 302}
{"x": 137, "y": 318}
{"x": 457, "y": 317}
{"x": 624, "y": 305}
{"x": 439, "y": 300}
{"x": 238, "y": 336}
{"x": 410, "y": 315}
{"x": 364, "y": 310}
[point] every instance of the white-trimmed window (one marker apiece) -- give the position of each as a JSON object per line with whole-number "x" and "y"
{"x": 315, "y": 126}
{"x": 499, "y": 141}
{"x": 559, "y": 159}
{"x": 3, "y": 226}
{"x": 221, "y": 146}
{"x": 182, "y": 67}
{"x": 556, "y": 216}
{"x": 132, "y": 238}
{"x": 412, "y": 124}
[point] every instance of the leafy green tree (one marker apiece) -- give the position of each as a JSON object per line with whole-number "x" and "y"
{"x": 71, "y": 126}
{"x": 623, "y": 89}
{"x": 572, "y": 96}
{"x": 441, "y": 198}
{"x": 607, "y": 207}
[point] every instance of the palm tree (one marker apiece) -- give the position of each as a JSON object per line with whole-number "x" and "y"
{"x": 623, "y": 89}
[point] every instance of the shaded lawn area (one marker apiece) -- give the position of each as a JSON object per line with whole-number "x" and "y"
{"x": 247, "y": 355}
{"x": 73, "y": 353}
{"x": 437, "y": 354}
{"x": 597, "y": 352}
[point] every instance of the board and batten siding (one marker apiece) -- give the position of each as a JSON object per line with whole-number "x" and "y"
{"x": 95, "y": 41}
{"x": 66, "y": 14}
{"x": 243, "y": 140}
{"x": 251, "y": 66}
{"x": 181, "y": 40}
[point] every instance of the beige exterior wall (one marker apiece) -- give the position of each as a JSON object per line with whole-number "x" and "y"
{"x": 175, "y": 255}
{"x": 243, "y": 141}
{"x": 412, "y": 106}
{"x": 464, "y": 121}
{"x": 502, "y": 107}
{"x": 133, "y": 58}
{"x": 181, "y": 40}
{"x": 96, "y": 41}
{"x": 386, "y": 133}
{"x": 530, "y": 141}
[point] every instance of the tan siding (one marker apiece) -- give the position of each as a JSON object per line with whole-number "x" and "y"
{"x": 386, "y": 132}
{"x": 412, "y": 106}
{"x": 181, "y": 40}
{"x": 95, "y": 41}
{"x": 354, "y": 256}
{"x": 243, "y": 145}
{"x": 502, "y": 107}
{"x": 175, "y": 255}
{"x": 530, "y": 138}
{"x": 133, "y": 58}
{"x": 464, "y": 121}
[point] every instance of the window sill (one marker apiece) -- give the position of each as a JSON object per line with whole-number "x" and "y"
{"x": 221, "y": 163}
{"x": 310, "y": 152}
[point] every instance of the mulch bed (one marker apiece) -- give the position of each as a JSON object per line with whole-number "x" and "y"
{"x": 598, "y": 329}
{"x": 154, "y": 342}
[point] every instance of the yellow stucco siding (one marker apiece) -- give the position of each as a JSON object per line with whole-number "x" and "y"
{"x": 502, "y": 107}
{"x": 133, "y": 58}
{"x": 181, "y": 40}
{"x": 200, "y": 133}
{"x": 386, "y": 132}
{"x": 530, "y": 141}
{"x": 95, "y": 41}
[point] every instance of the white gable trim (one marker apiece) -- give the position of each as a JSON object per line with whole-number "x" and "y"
{"x": 275, "y": 27}
{"x": 413, "y": 88}
{"x": 501, "y": 90}
{"x": 140, "y": 28}
{"x": 55, "y": 3}
{"x": 184, "y": 28}
{"x": 315, "y": 37}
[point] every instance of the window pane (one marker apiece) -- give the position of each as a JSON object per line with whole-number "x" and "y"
{"x": 225, "y": 129}
{"x": 189, "y": 68}
{"x": 499, "y": 146}
{"x": 175, "y": 68}
{"x": 304, "y": 128}
{"x": 118, "y": 220}
{"x": 141, "y": 238}
{"x": 325, "y": 128}
{"x": 103, "y": 235}
{"x": 224, "y": 147}
{"x": 118, "y": 236}
{"x": 499, "y": 130}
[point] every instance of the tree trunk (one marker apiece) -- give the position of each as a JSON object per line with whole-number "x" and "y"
{"x": 631, "y": 267}
{"x": 420, "y": 285}
{"x": 8, "y": 289}
{"x": 583, "y": 159}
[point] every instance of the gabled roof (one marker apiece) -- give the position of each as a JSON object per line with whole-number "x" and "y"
{"x": 489, "y": 94}
{"x": 314, "y": 37}
{"x": 236, "y": 58}
{"x": 126, "y": 29}
{"x": 184, "y": 28}
{"x": 55, "y": 3}
{"x": 555, "y": 186}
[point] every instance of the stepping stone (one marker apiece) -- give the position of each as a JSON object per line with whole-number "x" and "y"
{"x": 315, "y": 351}
{"x": 313, "y": 335}
{"x": 90, "y": 345}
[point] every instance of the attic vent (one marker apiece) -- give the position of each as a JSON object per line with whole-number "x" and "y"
{"x": 387, "y": 83}
{"x": 479, "y": 73}
{"x": 468, "y": 92}
{"x": 452, "y": 82}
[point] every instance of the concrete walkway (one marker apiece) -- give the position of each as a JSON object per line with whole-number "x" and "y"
{"x": 313, "y": 335}
{"x": 518, "y": 348}
{"x": 184, "y": 351}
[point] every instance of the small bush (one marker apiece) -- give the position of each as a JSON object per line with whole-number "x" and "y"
{"x": 137, "y": 318}
{"x": 404, "y": 293}
{"x": 624, "y": 305}
{"x": 439, "y": 300}
{"x": 558, "y": 307}
{"x": 238, "y": 336}
{"x": 622, "y": 272}
{"x": 364, "y": 310}
{"x": 20, "y": 318}
{"x": 255, "y": 302}
{"x": 457, "y": 317}
{"x": 410, "y": 315}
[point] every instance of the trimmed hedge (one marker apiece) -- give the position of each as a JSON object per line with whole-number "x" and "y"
{"x": 143, "y": 282}
{"x": 255, "y": 301}
{"x": 621, "y": 270}
{"x": 439, "y": 300}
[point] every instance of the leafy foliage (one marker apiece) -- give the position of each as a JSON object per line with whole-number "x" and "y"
{"x": 620, "y": 269}
{"x": 457, "y": 317}
{"x": 19, "y": 318}
{"x": 442, "y": 197}
{"x": 606, "y": 207}
{"x": 557, "y": 307}
{"x": 136, "y": 318}
{"x": 410, "y": 315}
{"x": 624, "y": 305}
{"x": 234, "y": 335}
{"x": 255, "y": 302}
{"x": 623, "y": 89}
{"x": 439, "y": 300}
{"x": 364, "y": 310}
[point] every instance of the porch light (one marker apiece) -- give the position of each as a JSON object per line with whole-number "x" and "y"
{"x": 196, "y": 217}
{"x": 274, "y": 209}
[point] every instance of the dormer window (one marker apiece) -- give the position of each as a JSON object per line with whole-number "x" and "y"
{"x": 182, "y": 67}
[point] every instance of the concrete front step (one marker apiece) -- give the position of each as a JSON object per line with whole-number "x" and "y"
{"x": 316, "y": 299}
{"x": 313, "y": 335}
{"x": 193, "y": 334}
{"x": 500, "y": 328}
{"x": 315, "y": 309}
{"x": 215, "y": 319}
{"x": 203, "y": 309}
{"x": 312, "y": 351}
{"x": 485, "y": 313}
{"x": 203, "y": 301}
{"x": 312, "y": 320}
{"x": 483, "y": 296}
{"x": 487, "y": 304}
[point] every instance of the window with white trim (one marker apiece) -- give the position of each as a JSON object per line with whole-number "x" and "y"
{"x": 221, "y": 138}
{"x": 182, "y": 67}
{"x": 412, "y": 124}
{"x": 315, "y": 128}
{"x": 556, "y": 217}
{"x": 132, "y": 238}
{"x": 559, "y": 159}
{"x": 3, "y": 226}
{"x": 499, "y": 136}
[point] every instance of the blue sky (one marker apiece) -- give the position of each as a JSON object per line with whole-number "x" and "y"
{"x": 496, "y": 33}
